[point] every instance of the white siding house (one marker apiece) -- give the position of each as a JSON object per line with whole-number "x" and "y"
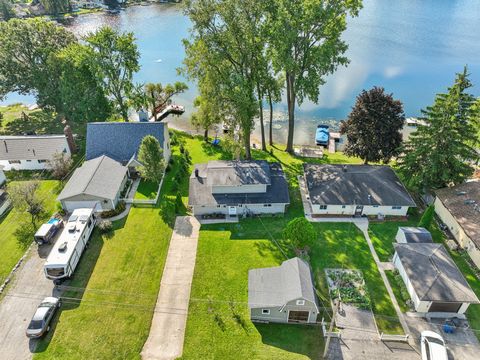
{"x": 236, "y": 188}
{"x": 3, "y": 178}
{"x": 432, "y": 279}
{"x": 355, "y": 190}
{"x": 31, "y": 152}
{"x": 458, "y": 208}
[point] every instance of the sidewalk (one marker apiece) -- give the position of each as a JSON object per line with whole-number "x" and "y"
{"x": 167, "y": 331}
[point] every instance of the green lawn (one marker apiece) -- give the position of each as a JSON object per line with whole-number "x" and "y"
{"x": 13, "y": 244}
{"x": 218, "y": 325}
{"x": 397, "y": 287}
{"x": 146, "y": 190}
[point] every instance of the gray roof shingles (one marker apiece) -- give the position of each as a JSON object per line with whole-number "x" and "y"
{"x": 433, "y": 274}
{"x": 260, "y": 172}
{"x": 120, "y": 140}
{"x": 330, "y": 184}
{"x": 276, "y": 286}
{"x": 416, "y": 234}
{"x": 100, "y": 177}
{"x": 34, "y": 147}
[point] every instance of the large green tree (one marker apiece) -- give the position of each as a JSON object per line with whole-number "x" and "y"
{"x": 150, "y": 155}
{"x": 115, "y": 60}
{"x": 305, "y": 43}
{"x": 443, "y": 149}
{"x": 223, "y": 39}
{"x": 158, "y": 96}
{"x": 25, "y": 49}
{"x": 373, "y": 128}
{"x": 6, "y": 10}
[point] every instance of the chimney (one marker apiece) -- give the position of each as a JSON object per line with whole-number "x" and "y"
{"x": 196, "y": 173}
{"x": 71, "y": 142}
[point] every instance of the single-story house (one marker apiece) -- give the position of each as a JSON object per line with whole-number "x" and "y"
{"x": 412, "y": 235}
{"x": 4, "y": 202}
{"x": 458, "y": 207}
{"x": 3, "y": 178}
{"x": 238, "y": 188}
{"x": 121, "y": 141}
{"x": 97, "y": 184}
{"x": 31, "y": 152}
{"x": 372, "y": 190}
{"x": 283, "y": 294}
{"x": 432, "y": 278}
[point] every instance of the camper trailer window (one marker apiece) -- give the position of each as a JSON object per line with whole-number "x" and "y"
{"x": 56, "y": 272}
{"x": 73, "y": 218}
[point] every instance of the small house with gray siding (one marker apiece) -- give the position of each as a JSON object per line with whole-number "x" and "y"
{"x": 283, "y": 294}
{"x": 409, "y": 234}
{"x": 236, "y": 188}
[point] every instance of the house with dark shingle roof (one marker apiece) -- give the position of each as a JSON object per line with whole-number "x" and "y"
{"x": 284, "y": 294}
{"x": 346, "y": 190}
{"x": 31, "y": 152}
{"x": 238, "y": 188}
{"x": 120, "y": 141}
{"x": 459, "y": 209}
{"x": 96, "y": 184}
{"x": 432, "y": 278}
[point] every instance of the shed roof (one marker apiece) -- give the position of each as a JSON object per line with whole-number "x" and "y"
{"x": 200, "y": 187}
{"x": 463, "y": 202}
{"x": 32, "y": 147}
{"x": 120, "y": 140}
{"x": 433, "y": 274}
{"x": 100, "y": 177}
{"x": 276, "y": 286}
{"x": 330, "y": 184}
{"x": 416, "y": 234}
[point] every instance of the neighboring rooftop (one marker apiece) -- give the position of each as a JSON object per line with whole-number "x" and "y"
{"x": 99, "y": 177}
{"x": 120, "y": 140}
{"x": 32, "y": 147}
{"x": 463, "y": 202}
{"x": 416, "y": 234}
{"x": 433, "y": 274}
{"x": 355, "y": 184}
{"x": 276, "y": 286}
{"x": 200, "y": 189}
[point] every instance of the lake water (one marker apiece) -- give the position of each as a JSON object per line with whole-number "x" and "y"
{"x": 412, "y": 48}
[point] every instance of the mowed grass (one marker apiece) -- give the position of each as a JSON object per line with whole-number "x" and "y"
{"x": 12, "y": 247}
{"x": 146, "y": 190}
{"x": 219, "y": 325}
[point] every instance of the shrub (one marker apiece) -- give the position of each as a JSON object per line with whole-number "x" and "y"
{"x": 178, "y": 203}
{"x": 427, "y": 218}
{"x": 300, "y": 232}
{"x": 182, "y": 149}
{"x": 105, "y": 226}
{"x": 121, "y": 206}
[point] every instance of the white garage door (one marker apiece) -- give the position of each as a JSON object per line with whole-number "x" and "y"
{"x": 72, "y": 205}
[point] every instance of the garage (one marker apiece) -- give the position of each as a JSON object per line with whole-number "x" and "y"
{"x": 444, "y": 307}
{"x": 69, "y": 206}
{"x": 298, "y": 316}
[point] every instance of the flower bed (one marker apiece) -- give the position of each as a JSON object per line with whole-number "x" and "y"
{"x": 348, "y": 286}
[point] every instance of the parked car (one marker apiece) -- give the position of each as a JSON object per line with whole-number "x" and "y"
{"x": 433, "y": 346}
{"x": 40, "y": 323}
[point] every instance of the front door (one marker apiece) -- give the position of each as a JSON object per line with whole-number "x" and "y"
{"x": 232, "y": 210}
{"x": 359, "y": 210}
{"x": 298, "y": 316}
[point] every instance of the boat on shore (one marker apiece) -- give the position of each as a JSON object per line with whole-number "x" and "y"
{"x": 322, "y": 135}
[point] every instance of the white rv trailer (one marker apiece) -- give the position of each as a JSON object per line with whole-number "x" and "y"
{"x": 66, "y": 252}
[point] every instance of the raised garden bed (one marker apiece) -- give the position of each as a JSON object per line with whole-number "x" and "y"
{"x": 348, "y": 286}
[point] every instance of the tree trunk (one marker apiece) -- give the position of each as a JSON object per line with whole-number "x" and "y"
{"x": 205, "y": 134}
{"x": 246, "y": 142}
{"x": 270, "y": 104}
{"x": 291, "y": 111}
{"x": 262, "y": 127}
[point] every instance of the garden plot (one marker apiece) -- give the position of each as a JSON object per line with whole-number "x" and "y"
{"x": 348, "y": 286}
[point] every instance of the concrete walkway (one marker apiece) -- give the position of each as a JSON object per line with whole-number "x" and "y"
{"x": 170, "y": 317}
{"x": 380, "y": 266}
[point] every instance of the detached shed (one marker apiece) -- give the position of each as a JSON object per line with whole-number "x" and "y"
{"x": 283, "y": 294}
{"x": 406, "y": 234}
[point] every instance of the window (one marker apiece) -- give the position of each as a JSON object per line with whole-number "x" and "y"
{"x": 240, "y": 205}
{"x": 14, "y": 161}
{"x": 265, "y": 311}
{"x": 42, "y": 161}
{"x": 267, "y": 205}
{"x": 29, "y": 160}
{"x": 343, "y": 206}
{"x": 396, "y": 207}
{"x": 218, "y": 206}
{"x": 323, "y": 207}
{"x": 300, "y": 302}
{"x": 375, "y": 206}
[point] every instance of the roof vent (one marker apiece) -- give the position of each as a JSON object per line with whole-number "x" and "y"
{"x": 344, "y": 168}
{"x": 461, "y": 193}
{"x": 469, "y": 202}
{"x": 72, "y": 227}
{"x": 63, "y": 247}
{"x": 196, "y": 172}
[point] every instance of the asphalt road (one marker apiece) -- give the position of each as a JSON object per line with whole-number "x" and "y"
{"x": 29, "y": 288}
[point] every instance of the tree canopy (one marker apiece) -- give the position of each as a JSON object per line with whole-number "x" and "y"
{"x": 156, "y": 96}
{"x": 442, "y": 151}
{"x": 373, "y": 128}
{"x": 300, "y": 232}
{"x": 150, "y": 155}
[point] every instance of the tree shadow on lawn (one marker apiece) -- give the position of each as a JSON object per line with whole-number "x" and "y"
{"x": 212, "y": 150}
{"x": 72, "y": 290}
{"x": 39, "y": 122}
{"x": 300, "y": 339}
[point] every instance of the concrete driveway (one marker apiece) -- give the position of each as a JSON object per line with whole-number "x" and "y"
{"x": 170, "y": 317}
{"x": 29, "y": 288}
